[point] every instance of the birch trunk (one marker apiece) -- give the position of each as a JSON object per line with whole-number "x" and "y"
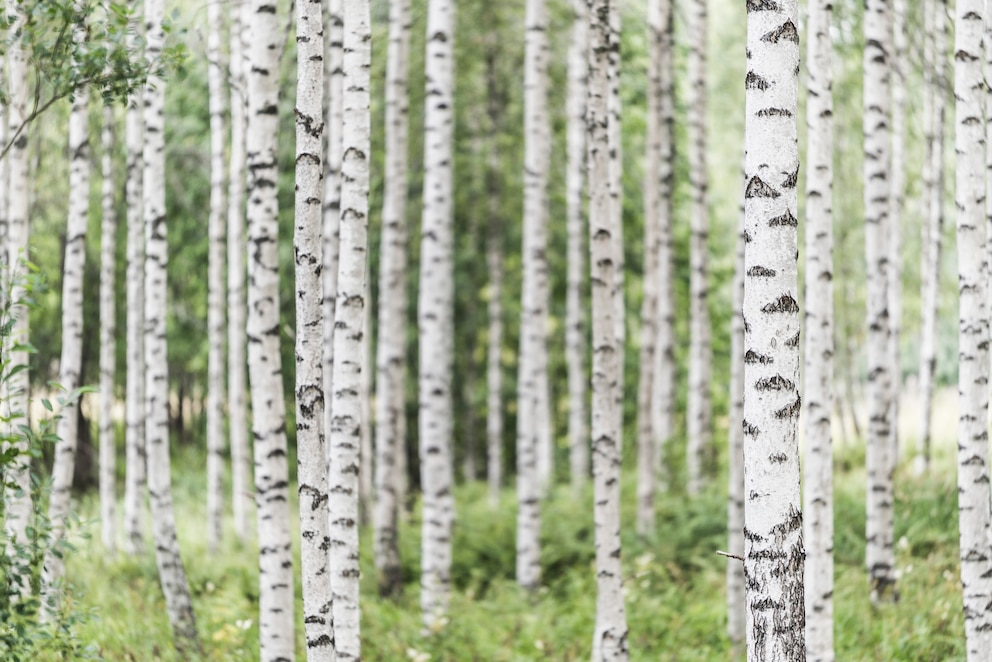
{"x": 933, "y": 215}
{"x": 71, "y": 359}
{"x": 897, "y": 204}
{"x": 366, "y": 466}
{"x": 241, "y": 489}
{"x": 216, "y": 228}
{"x": 18, "y": 500}
{"x": 663, "y": 390}
{"x": 171, "y": 572}
{"x": 773, "y": 544}
{"x": 610, "y": 638}
{"x": 819, "y": 349}
{"x": 973, "y": 329}
{"x": 575, "y": 323}
{"x": 434, "y": 313}
{"x": 615, "y": 173}
{"x": 698, "y": 405}
{"x": 879, "y": 556}
{"x": 391, "y": 346}
{"x": 108, "y": 337}
{"x": 264, "y": 364}
{"x": 307, "y": 245}
{"x": 136, "y": 471}
{"x": 532, "y": 470}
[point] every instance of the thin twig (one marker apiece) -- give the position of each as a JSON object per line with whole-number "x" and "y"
{"x": 730, "y": 556}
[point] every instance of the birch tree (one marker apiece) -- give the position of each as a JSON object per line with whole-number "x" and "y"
{"x": 879, "y": 556}
{"x": 216, "y": 229}
{"x": 108, "y": 331}
{"x": 391, "y": 346}
{"x": 610, "y": 638}
{"x": 773, "y": 545}
{"x": 819, "y": 330}
{"x": 264, "y": 362}
{"x": 348, "y": 329}
{"x": 172, "y": 574}
{"x": 434, "y": 316}
{"x": 532, "y": 478}
{"x": 307, "y": 245}
{"x": 735, "y": 449}
{"x": 900, "y": 66}
{"x": 615, "y": 106}
{"x": 575, "y": 323}
{"x": 241, "y": 492}
{"x": 973, "y": 329}
{"x": 698, "y": 405}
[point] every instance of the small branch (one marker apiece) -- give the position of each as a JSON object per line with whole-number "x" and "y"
{"x": 730, "y": 556}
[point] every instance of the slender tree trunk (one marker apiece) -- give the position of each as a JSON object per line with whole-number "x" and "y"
{"x": 366, "y": 389}
{"x": 575, "y": 323}
{"x": 819, "y": 350}
{"x": 241, "y": 490}
{"x": 933, "y": 225}
{"x": 973, "y": 329}
{"x": 610, "y": 638}
{"x": 615, "y": 108}
{"x": 136, "y": 469}
{"x": 879, "y": 555}
{"x": 70, "y": 363}
{"x": 698, "y": 406}
{"x": 171, "y": 572}
{"x": 663, "y": 391}
{"x": 897, "y": 204}
{"x": 391, "y": 346}
{"x": 276, "y": 617}
{"x": 435, "y": 316}
{"x": 307, "y": 245}
{"x": 773, "y": 546}
{"x": 108, "y": 338}
{"x": 532, "y": 469}
{"x": 216, "y": 229}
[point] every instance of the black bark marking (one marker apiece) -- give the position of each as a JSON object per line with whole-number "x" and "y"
{"x": 756, "y": 188}
{"x": 785, "y": 220}
{"x": 784, "y": 304}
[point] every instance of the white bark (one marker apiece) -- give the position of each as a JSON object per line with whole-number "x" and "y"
{"x": 365, "y": 474}
{"x": 70, "y": 363}
{"x": 935, "y": 53}
{"x": 973, "y": 329}
{"x": 900, "y": 67}
{"x": 615, "y": 173}
{"x": 170, "y": 566}
{"x": 880, "y": 558}
{"x": 575, "y": 322}
{"x": 136, "y": 470}
{"x": 610, "y": 638}
{"x": 700, "y": 353}
{"x": 241, "y": 491}
{"x": 819, "y": 337}
{"x": 773, "y": 546}
{"x": 307, "y": 245}
{"x": 434, "y": 316}
{"x": 533, "y": 467}
{"x": 108, "y": 337}
{"x": 216, "y": 294}
{"x": 264, "y": 363}
{"x": 348, "y": 329}
{"x": 391, "y": 346}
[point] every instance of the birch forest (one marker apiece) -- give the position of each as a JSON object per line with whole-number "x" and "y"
{"x": 450, "y": 330}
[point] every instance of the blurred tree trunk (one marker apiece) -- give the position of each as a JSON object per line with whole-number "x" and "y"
{"x": 575, "y": 323}
{"x": 698, "y": 414}
{"x": 390, "y": 401}
{"x": 533, "y": 467}
{"x": 900, "y": 67}
{"x": 216, "y": 294}
{"x": 819, "y": 337}
{"x": 108, "y": 336}
{"x": 172, "y": 574}
{"x": 610, "y": 637}
{"x": 973, "y": 329}
{"x": 735, "y": 449}
{"x": 307, "y": 247}
{"x": 276, "y": 619}
{"x": 879, "y": 556}
{"x": 615, "y": 174}
{"x": 434, "y": 313}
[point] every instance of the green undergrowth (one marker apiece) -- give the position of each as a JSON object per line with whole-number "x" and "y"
{"x": 674, "y": 582}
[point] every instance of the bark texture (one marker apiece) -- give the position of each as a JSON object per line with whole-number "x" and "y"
{"x": 610, "y": 637}
{"x": 897, "y": 203}
{"x": 264, "y": 363}
{"x": 108, "y": 336}
{"x": 390, "y": 399}
{"x": 773, "y": 545}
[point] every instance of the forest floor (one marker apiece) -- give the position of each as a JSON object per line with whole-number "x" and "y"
{"x": 674, "y": 580}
